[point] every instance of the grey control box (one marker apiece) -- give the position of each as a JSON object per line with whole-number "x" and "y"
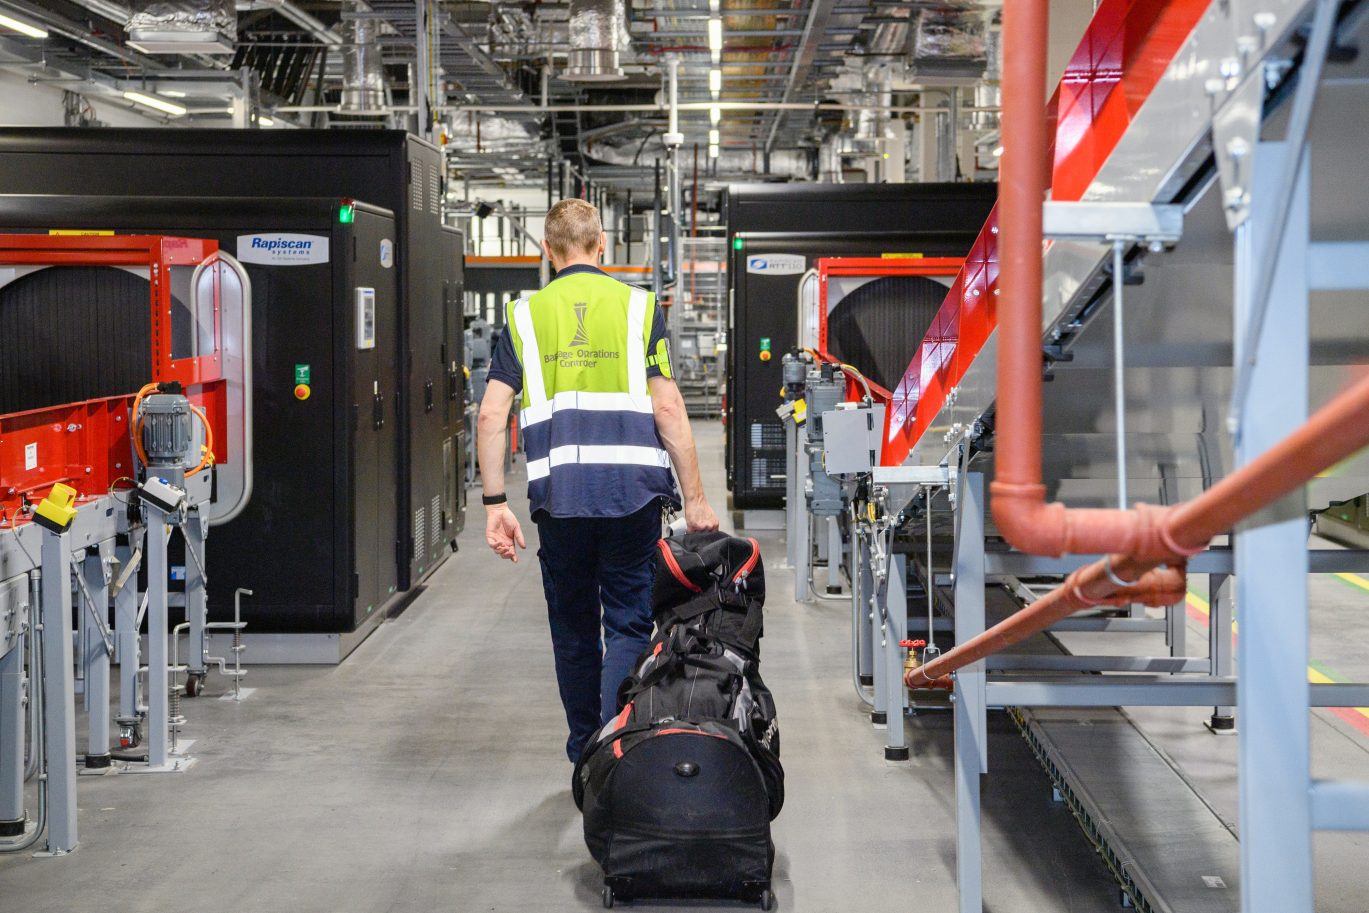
{"x": 851, "y": 439}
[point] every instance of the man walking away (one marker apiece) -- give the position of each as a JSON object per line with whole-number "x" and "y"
{"x": 602, "y": 424}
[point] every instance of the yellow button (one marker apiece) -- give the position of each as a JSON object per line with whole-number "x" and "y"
{"x": 765, "y": 355}
{"x": 301, "y": 391}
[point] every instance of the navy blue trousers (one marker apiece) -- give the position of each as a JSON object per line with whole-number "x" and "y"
{"x": 597, "y": 570}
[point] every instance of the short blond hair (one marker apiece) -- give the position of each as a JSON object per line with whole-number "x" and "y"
{"x": 572, "y": 228}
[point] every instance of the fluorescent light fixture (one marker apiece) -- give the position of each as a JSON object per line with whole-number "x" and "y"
{"x": 712, "y": 152}
{"x": 158, "y": 104}
{"x": 715, "y": 114}
{"x": 713, "y": 138}
{"x": 22, "y": 27}
{"x": 714, "y": 6}
{"x": 266, "y": 122}
{"x": 173, "y": 93}
{"x": 715, "y": 38}
{"x": 997, "y": 151}
{"x": 715, "y": 81}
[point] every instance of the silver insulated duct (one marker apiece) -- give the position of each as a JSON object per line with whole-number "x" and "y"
{"x": 363, "y": 76}
{"x": 183, "y": 26}
{"x": 598, "y": 37}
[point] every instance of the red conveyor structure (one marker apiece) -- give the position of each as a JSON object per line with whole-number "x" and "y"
{"x": 86, "y": 444}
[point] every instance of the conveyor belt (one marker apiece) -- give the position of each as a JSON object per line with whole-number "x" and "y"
{"x": 1165, "y": 845}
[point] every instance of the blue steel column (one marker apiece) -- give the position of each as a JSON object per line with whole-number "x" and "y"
{"x": 12, "y": 732}
{"x": 158, "y": 681}
{"x": 196, "y": 602}
{"x": 127, "y": 644}
{"x": 1272, "y": 566}
{"x": 59, "y": 693}
{"x": 896, "y": 605}
{"x": 95, "y": 658}
{"x": 971, "y": 723}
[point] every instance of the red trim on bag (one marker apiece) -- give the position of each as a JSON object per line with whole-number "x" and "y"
{"x": 675, "y": 570}
{"x": 618, "y": 748}
{"x": 621, "y": 719}
{"x": 750, "y": 564}
{"x": 659, "y": 647}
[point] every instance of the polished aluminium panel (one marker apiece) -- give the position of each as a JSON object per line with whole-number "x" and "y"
{"x": 1179, "y": 320}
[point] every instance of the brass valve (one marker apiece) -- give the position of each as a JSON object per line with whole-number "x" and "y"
{"x": 913, "y": 661}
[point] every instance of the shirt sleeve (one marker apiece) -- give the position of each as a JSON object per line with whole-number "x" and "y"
{"x": 504, "y": 363}
{"x": 658, "y": 347}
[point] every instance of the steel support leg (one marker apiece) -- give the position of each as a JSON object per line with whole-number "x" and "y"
{"x": 896, "y": 701}
{"x": 860, "y": 606}
{"x": 870, "y": 638}
{"x": 971, "y": 717}
{"x": 158, "y": 734}
{"x": 1219, "y": 644}
{"x": 196, "y": 601}
{"x": 59, "y": 693}
{"x": 802, "y": 528}
{"x": 1271, "y": 566}
{"x": 95, "y": 658}
{"x": 127, "y": 644}
{"x": 834, "y": 555}
{"x": 12, "y": 738}
{"x": 792, "y": 493}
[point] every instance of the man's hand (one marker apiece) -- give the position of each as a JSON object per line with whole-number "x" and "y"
{"x": 699, "y": 517}
{"x": 502, "y": 532}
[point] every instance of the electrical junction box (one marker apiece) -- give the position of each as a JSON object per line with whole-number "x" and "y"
{"x": 366, "y": 318}
{"x": 850, "y": 439}
{"x": 162, "y": 494}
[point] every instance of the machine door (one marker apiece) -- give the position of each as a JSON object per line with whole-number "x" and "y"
{"x": 373, "y": 346}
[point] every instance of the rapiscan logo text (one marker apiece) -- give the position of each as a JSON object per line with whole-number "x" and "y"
{"x": 283, "y": 249}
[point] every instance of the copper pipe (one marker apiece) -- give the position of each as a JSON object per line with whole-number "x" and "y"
{"x": 1020, "y": 510}
{"x": 1335, "y": 432}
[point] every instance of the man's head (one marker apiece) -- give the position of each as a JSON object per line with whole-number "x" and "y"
{"x": 573, "y": 234}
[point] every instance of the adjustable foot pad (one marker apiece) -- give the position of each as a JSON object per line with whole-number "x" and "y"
{"x": 97, "y": 761}
{"x": 895, "y": 754}
{"x": 12, "y": 828}
{"x": 879, "y": 718}
{"x": 867, "y": 680}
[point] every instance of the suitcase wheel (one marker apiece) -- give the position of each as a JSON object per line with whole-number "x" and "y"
{"x": 767, "y": 900}
{"x": 608, "y": 897}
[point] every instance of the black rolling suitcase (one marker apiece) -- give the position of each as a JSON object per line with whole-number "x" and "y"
{"x": 678, "y": 791}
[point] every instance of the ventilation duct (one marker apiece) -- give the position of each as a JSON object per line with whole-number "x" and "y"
{"x": 363, "y": 76}
{"x": 598, "y": 37}
{"x": 949, "y": 44}
{"x": 183, "y": 26}
{"x": 891, "y": 38}
{"x": 626, "y": 149}
{"x": 474, "y": 133}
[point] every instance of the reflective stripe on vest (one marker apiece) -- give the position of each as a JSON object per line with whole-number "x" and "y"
{"x": 603, "y": 455}
{"x": 534, "y": 387}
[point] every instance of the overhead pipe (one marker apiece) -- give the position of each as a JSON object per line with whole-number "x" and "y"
{"x": 1140, "y": 540}
{"x": 1335, "y": 432}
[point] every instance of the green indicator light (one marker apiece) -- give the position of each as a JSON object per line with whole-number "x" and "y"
{"x": 765, "y": 343}
{"x": 736, "y": 243}
{"x": 346, "y": 213}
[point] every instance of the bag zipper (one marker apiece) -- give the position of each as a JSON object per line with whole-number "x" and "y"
{"x": 675, "y": 570}
{"x": 750, "y": 564}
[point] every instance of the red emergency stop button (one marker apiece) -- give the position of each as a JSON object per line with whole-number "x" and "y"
{"x": 765, "y": 355}
{"x": 301, "y": 391}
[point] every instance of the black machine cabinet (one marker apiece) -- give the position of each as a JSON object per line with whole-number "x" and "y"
{"x": 776, "y": 232}
{"x": 387, "y": 168}
{"x": 317, "y": 543}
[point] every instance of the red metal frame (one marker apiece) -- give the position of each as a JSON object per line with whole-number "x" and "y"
{"x": 876, "y": 267}
{"x": 1127, "y": 48}
{"x": 86, "y": 444}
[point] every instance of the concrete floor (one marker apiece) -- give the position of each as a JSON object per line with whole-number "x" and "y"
{"x": 427, "y": 773}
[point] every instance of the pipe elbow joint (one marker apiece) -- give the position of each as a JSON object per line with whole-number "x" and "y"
{"x": 1026, "y": 521}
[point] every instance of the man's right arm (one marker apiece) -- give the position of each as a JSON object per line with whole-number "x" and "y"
{"x": 672, "y": 423}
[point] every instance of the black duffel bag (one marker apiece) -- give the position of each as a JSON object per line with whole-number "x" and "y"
{"x": 679, "y": 789}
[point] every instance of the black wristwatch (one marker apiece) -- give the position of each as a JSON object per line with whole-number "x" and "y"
{"x": 491, "y": 500}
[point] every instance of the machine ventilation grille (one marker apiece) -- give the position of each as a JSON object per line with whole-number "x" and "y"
{"x": 420, "y": 531}
{"x": 434, "y": 189}
{"x": 436, "y": 517}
